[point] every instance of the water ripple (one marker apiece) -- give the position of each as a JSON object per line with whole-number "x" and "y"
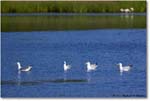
{"x": 30, "y": 83}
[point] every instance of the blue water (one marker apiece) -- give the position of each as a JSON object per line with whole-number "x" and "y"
{"x": 46, "y": 51}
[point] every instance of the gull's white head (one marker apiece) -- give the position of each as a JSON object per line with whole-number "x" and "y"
{"x": 64, "y": 62}
{"x": 119, "y": 64}
{"x": 18, "y": 63}
{"x": 87, "y": 63}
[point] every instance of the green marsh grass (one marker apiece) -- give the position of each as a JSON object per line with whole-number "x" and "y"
{"x": 70, "y": 6}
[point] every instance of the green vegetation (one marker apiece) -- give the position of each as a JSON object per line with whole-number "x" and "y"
{"x": 70, "y": 6}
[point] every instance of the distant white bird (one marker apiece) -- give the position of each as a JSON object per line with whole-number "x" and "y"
{"x": 127, "y": 10}
{"x": 132, "y": 9}
{"x": 122, "y": 10}
{"x": 66, "y": 67}
{"x": 124, "y": 68}
{"x": 23, "y": 69}
{"x": 90, "y": 66}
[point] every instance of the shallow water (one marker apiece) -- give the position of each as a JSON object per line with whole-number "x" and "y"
{"x": 45, "y": 51}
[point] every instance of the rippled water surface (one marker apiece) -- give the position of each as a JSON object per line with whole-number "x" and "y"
{"x": 45, "y": 51}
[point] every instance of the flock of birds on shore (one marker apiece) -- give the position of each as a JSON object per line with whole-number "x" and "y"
{"x": 127, "y": 10}
{"x": 89, "y": 67}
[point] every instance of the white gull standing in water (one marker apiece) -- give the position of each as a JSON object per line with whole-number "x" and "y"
{"x": 66, "y": 67}
{"x": 90, "y": 66}
{"x": 23, "y": 69}
{"x": 124, "y": 68}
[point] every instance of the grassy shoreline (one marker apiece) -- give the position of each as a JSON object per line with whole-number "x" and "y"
{"x": 70, "y": 6}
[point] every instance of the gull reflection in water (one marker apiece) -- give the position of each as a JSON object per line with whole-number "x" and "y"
{"x": 19, "y": 78}
{"x": 121, "y": 73}
{"x": 88, "y": 76}
{"x": 65, "y": 76}
{"x": 19, "y": 81}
